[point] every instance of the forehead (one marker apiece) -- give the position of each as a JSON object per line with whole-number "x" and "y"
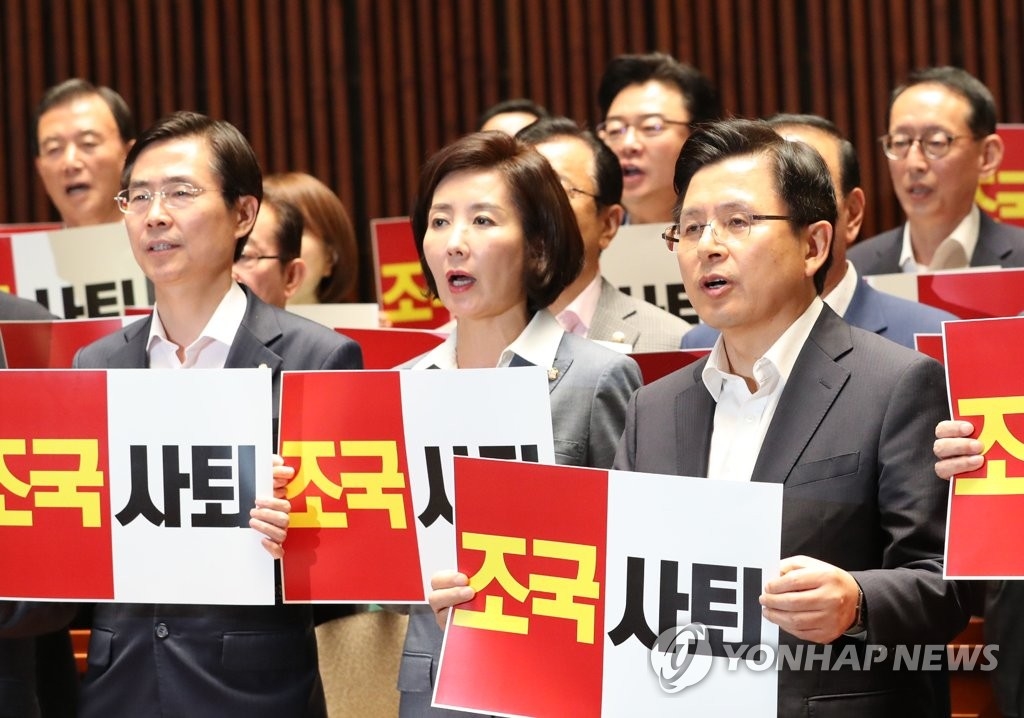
{"x": 929, "y": 104}
{"x": 569, "y": 156}
{"x": 186, "y": 158}
{"x": 85, "y": 112}
{"x": 651, "y": 97}
{"x": 471, "y": 187}
{"x": 745, "y": 181}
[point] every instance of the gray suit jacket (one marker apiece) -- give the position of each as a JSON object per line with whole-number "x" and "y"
{"x": 216, "y": 661}
{"x": 12, "y": 307}
{"x": 620, "y": 317}
{"x": 998, "y": 245}
{"x": 588, "y": 404}
{"x": 883, "y": 314}
{"x": 851, "y": 443}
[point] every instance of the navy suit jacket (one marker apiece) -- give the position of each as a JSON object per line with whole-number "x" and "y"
{"x": 850, "y": 442}
{"x": 998, "y": 245}
{"x": 883, "y": 314}
{"x": 213, "y": 661}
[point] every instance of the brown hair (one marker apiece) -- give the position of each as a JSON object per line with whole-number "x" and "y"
{"x": 325, "y": 216}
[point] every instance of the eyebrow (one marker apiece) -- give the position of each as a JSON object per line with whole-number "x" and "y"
{"x": 476, "y": 207}
{"x": 727, "y": 206}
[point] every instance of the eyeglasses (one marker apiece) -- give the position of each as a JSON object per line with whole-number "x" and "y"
{"x": 175, "y": 195}
{"x": 573, "y": 191}
{"x": 249, "y": 261}
{"x": 735, "y": 224}
{"x": 614, "y": 129}
{"x": 935, "y": 144}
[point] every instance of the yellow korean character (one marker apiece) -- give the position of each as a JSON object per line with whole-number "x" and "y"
{"x": 565, "y": 589}
{"x": 11, "y": 484}
{"x": 492, "y": 618}
{"x": 373, "y": 484}
{"x": 67, "y": 484}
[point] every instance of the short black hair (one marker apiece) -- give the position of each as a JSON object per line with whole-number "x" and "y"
{"x": 74, "y": 88}
{"x": 517, "y": 104}
{"x": 234, "y": 161}
{"x": 802, "y": 179}
{"x": 982, "y": 119}
{"x": 699, "y": 94}
{"x": 290, "y": 226}
{"x": 553, "y": 252}
{"x": 849, "y": 164}
{"x": 607, "y": 170}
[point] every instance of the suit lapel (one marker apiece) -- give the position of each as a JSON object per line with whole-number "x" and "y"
{"x": 992, "y": 248}
{"x": 610, "y": 317}
{"x": 812, "y": 388}
{"x": 695, "y": 419}
{"x": 132, "y": 355}
{"x": 258, "y": 330}
{"x": 563, "y": 360}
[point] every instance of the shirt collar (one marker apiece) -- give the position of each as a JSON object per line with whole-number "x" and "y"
{"x": 842, "y": 294}
{"x": 537, "y": 344}
{"x": 771, "y": 371}
{"x": 584, "y": 305}
{"x": 966, "y": 233}
{"x": 221, "y": 327}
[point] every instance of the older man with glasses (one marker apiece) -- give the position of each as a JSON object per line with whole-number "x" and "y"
{"x": 649, "y": 103}
{"x": 941, "y": 142}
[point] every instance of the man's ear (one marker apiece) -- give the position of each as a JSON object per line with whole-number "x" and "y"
{"x": 611, "y": 219}
{"x": 247, "y": 207}
{"x": 819, "y": 239}
{"x": 854, "y": 203}
{"x": 294, "y": 273}
{"x": 992, "y": 150}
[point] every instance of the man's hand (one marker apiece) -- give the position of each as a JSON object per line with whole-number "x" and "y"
{"x": 450, "y": 589}
{"x": 957, "y": 453}
{"x": 270, "y": 517}
{"x": 811, "y": 599}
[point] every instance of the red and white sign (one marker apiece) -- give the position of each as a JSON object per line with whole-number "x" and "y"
{"x": 986, "y": 387}
{"x": 128, "y": 485}
{"x": 1002, "y": 195}
{"x": 79, "y": 272}
{"x": 372, "y": 498}
{"x": 973, "y": 293}
{"x": 400, "y": 284}
{"x": 578, "y": 571}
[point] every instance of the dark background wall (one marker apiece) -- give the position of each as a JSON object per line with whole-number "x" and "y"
{"x": 360, "y": 92}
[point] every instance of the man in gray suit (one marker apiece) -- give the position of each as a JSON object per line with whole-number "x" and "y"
{"x": 847, "y": 294}
{"x": 192, "y": 190}
{"x": 941, "y": 142}
{"x": 591, "y": 306}
{"x": 792, "y": 394}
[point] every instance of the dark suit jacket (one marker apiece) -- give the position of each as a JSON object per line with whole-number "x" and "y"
{"x": 851, "y": 443}
{"x": 883, "y": 314}
{"x": 216, "y": 661}
{"x": 619, "y": 317}
{"x": 998, "y": 245}
{"x": 45, "y": 660}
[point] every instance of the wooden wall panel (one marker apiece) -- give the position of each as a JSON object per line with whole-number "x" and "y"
{"x": 360, "y": 92}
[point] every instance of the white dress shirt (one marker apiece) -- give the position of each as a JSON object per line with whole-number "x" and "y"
{"x": 210, "y": 349}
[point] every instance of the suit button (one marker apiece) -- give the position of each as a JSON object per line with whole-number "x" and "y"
{"x": 162, "y": 631}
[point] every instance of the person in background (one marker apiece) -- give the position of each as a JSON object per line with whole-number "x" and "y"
{"x": 270, "y": 263}
{"x": 329, "y": 248}
{"x": 847, "y": 294}
{"x": 81, "y": 136}
{"x": 498, "y": 242}
{"x": 649, "y": 105}
{"x": 591, "y": 306}
{"x": 510, "y": 116}
{"x": 941, "y": 141}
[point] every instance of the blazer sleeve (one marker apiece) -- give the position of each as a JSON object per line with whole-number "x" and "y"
{"x": 907, "y": 599}
{"x": 347, "y": 355}
{"x": 615, "y": 386}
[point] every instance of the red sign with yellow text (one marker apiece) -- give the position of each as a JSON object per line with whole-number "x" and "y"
{"x": 351, "y": 474}
{"x": 400, "y": 284}
{"x": 986, "y": 387}
{"x": 54, "y": 502}
{"x": 1002, "y": 196}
